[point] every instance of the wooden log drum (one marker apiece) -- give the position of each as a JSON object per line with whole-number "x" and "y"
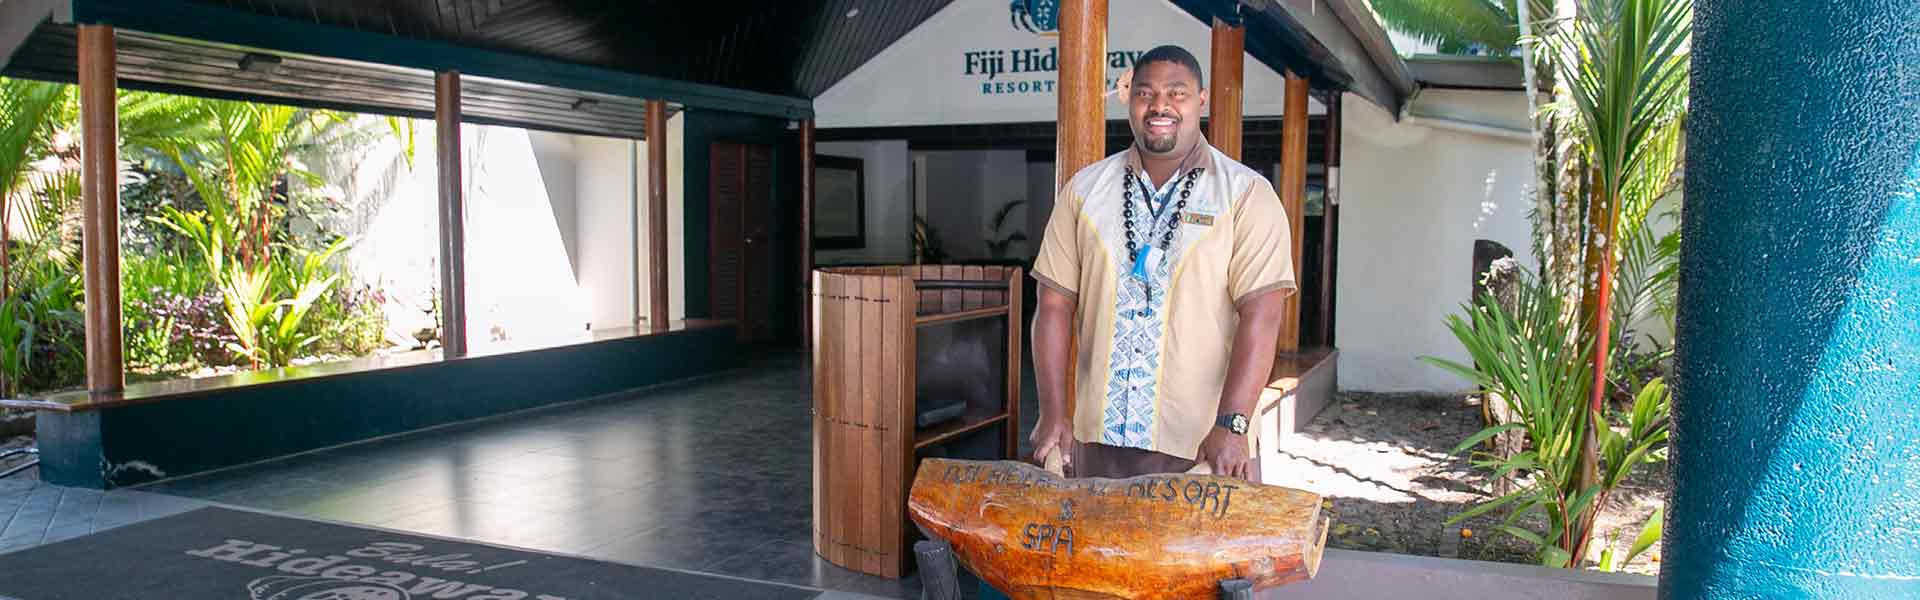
{"x": 1033, "y": 534}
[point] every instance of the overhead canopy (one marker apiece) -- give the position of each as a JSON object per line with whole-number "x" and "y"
{"x": 1338, "y": 43}
{"x": 581, "y": 65}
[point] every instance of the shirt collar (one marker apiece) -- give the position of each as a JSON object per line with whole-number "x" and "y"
{"x": 1202, "y": 158}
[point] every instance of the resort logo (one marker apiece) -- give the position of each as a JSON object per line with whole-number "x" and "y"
{"x": 1038, "y": 64}
{"x": 301, "y": 576}
{"x": 1035, "y": 16}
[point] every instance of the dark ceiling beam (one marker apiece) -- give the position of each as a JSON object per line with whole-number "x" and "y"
{"x": 230, "y": 26}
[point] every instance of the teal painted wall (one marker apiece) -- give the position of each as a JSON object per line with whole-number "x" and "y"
{"x": 1796, "y": 449}
{"x": 702, "y": 129}
{"x": 135, "y": 444}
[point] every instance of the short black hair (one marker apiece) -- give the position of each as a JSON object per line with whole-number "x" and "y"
{"x": 1173, "y": 54}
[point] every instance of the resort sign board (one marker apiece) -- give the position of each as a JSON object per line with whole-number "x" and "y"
{"x": 997, "y": 61}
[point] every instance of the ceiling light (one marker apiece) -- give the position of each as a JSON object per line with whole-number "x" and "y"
{"x": 853, "y": 13}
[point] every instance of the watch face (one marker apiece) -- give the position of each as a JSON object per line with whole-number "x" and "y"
{"x": 1239, "y": 423}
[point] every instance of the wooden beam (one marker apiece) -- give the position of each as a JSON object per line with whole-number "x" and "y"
{"x": 453, "y": 215}
{"x": 1293, "y": 194}
{"x": 100, "y": 208}
{"x": 1082, "y": 137}
{"x": 657, "y": 291}
{"x": 1226, "y": 93}
{"x": 1329, "y": 221}
{"x": 807, "y": 201}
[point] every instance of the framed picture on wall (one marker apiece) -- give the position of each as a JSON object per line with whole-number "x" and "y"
{"x": 840, "y": 204}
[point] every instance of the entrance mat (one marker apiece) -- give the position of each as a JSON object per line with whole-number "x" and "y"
{"x": 221, "y": 554}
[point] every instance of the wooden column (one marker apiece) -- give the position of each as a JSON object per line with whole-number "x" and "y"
{"x": 1082, "y": 136}
{"x": 1293, "y": 194}
{"x": 806, "y": 232}
{"x": 1329, "y": 221}
{"x": 100, "y": 208}
{"x": 657, "y": 290}
{"x": 1225, "y": 95}
{"x": 453, "y": 215}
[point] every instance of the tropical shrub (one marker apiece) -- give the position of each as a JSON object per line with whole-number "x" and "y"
{"x": 1535, "y": 360}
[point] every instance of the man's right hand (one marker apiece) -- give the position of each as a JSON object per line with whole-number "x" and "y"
{"x": 1050, "y": 436}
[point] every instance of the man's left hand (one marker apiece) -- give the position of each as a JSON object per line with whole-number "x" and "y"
{"x": 1226, "y": 451}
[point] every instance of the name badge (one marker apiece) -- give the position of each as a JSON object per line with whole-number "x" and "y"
{"x": 1197, "y": 219}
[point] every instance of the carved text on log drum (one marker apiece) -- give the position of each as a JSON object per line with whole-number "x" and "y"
{"x": 1035, "y": 535}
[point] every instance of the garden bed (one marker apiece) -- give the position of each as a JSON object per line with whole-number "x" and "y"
{"x": 1381, "y": 460}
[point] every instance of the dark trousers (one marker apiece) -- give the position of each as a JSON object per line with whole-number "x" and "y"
{"x": 1114, "y": 462}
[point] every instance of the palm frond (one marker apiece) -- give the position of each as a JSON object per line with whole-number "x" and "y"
{"x": 30, "y": 111}
{"x": 1454, "y": 24}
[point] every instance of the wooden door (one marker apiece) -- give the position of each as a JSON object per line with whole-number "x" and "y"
{"x": 741, "y": 251}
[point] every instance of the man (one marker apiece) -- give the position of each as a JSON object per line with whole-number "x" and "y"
{"x": 1170, "y": 262}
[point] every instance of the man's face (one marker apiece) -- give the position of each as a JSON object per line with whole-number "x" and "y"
{"x": 1165, "y": 107}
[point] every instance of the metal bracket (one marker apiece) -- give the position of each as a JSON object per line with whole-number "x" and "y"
{"x": 938, "y": 577}
{"x": 1228, "y": 11}
{"x": 1236, "y": 589}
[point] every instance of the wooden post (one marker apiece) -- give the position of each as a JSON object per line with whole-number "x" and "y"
{"x": 100, "y": 208}
{"x": 657, "y": 317}
{"x": 806, "y": 232}
{"x": 1293, "y": 194}
{"x": 1329, "y": 218}
{"x": 1225, "y": 95}
{"x": 453, "y": 216}
{"x": 1082, "y": 136}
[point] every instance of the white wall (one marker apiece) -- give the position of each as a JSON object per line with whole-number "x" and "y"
{"x": 607, "y": 186}
{"x": 960, "y": 67}
{"x": 888, "y": 170}
{"x": 521, "y": 290}
{"x": 1412, "y": 201}
{"x": 677, "y": 216}
{"x": 554, "y": 154}
{"x": 965, "y": 188}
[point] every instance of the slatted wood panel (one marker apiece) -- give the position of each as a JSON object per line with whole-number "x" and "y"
{"x": 756, "y": 295}
{"x": 724, "y": 198}
{"x": 864, "y": 381}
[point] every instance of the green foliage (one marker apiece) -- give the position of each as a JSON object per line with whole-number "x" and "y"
{"x": 42, "y": 328}
{"x": 1646, "y": 286}
{"x": 163, "y": 305}
{"x": 1625, "y": 63}
{"x": 1536, "y": 361}
{"x": 31, "y": 111}
{"x": 997, "y": 243}
{"x": 349, "y": 321}
{"x": 40, "y": 343}
{"x": 927, "y": 248}
{"x": 1459, "y": 26}
{"x": 211, "y": 272}
{"x": 266, "y": 305}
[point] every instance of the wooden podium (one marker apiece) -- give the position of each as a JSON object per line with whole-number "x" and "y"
{"x": 886, "y": 341}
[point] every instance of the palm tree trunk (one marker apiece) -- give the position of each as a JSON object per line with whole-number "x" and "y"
{"x": 1596, "y": 310}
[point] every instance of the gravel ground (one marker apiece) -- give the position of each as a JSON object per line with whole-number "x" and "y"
{"x": 1381, "y": 461}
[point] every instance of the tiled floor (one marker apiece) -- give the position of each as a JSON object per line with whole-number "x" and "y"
{"x": 712, "y": 476}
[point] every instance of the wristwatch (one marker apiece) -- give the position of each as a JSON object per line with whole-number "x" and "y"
{"x": 1234, "y": 422}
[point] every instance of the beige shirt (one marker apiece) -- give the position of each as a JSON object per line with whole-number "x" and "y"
{"x": 1154, "y": 343}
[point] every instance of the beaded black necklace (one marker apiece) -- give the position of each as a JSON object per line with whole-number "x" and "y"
{"x": 1184, "y": 182}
